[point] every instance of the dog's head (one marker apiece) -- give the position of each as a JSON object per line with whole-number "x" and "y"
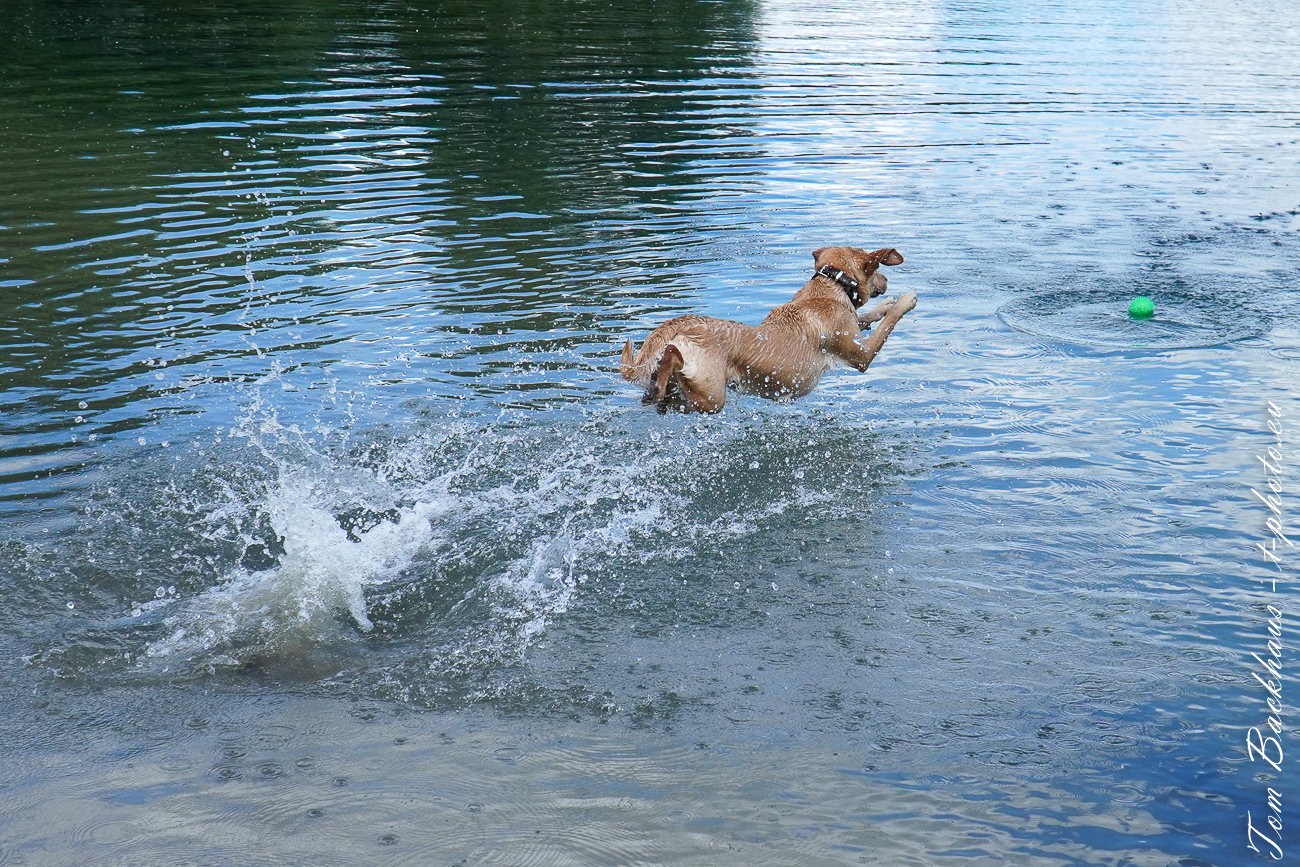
{"x": 861, "y": 265}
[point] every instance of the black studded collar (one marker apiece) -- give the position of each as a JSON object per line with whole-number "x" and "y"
{"x": 851, "y": 287}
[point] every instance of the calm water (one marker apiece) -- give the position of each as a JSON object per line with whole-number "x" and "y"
{"x": 328, "y": 533}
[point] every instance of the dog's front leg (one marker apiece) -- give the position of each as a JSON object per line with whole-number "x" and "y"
{"x": 876, "y": 314}
{"x": 860, "y": 355}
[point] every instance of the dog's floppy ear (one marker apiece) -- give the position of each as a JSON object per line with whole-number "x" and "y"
{"x": 890, "y": 256}
{"x": 817, "y": 254}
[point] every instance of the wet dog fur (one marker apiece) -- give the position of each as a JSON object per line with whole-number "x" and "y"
{"x": 687, "y": 364}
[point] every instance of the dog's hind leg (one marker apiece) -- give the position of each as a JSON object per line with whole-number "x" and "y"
{"x": 685, "y": 386}
{"x": 663, "y": 380}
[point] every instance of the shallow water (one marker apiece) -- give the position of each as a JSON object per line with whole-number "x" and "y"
{"x": 329, "y": 530}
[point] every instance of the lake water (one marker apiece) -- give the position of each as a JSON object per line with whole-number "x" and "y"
{"x": 329, "y": 534}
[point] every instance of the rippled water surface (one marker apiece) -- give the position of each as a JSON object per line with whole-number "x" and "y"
{"x": 328, "y": 532}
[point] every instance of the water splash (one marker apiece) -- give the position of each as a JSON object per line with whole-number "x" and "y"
{"x": 424, "y": 560}
{"x": 321, "y": 573}
{"x": 476, "y": 529}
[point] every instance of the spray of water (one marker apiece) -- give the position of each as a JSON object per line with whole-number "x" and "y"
{"x": 476, "y": 529}
{"x": 440, "y": 552}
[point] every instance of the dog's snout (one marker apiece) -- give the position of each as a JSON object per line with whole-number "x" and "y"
{"x": 879, "y": 285}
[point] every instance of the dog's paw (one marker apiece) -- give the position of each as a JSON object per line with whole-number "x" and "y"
{"x": 904, "y": 304}
{"x": 876, "y": 313}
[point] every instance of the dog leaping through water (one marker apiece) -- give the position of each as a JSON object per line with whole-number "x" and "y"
{"x": 688, "y": 363}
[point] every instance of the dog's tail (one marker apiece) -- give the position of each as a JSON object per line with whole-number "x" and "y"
{"x": 663, "y": 382}
{"x": 627, "y": 362}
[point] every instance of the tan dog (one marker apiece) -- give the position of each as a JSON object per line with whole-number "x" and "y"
{"x": 687, "y": 363}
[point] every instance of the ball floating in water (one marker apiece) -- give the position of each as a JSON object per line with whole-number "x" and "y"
{"x": 1141, "y": 307}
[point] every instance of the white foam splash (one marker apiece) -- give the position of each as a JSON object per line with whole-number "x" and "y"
{"x": 539, "y": 587}
{"x": 472, "y": 538}
{"x": 322, "y": 572}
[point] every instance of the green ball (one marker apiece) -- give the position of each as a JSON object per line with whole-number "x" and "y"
{"x": 1141, "y": 307}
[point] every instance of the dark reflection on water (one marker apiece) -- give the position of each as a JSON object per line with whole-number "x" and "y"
{"x": 310, "y": 411}
{"x": 209, "y": 217}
